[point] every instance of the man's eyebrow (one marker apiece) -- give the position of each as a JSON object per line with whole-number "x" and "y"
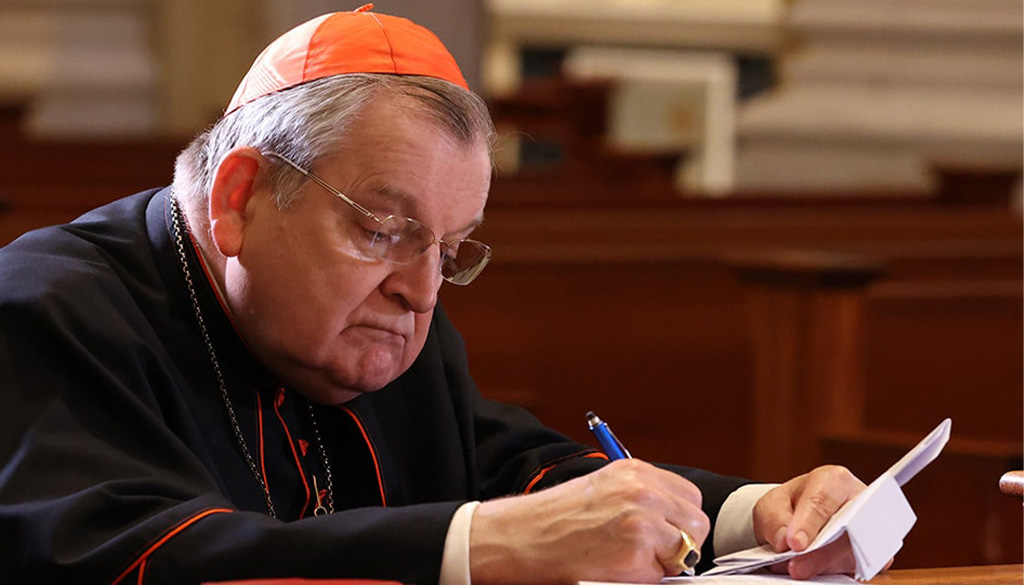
{"x": 396, "y": 198}
{"x": 403, "y": 202}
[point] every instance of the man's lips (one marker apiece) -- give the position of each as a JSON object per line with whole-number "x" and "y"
{"x": 383, "y": 330}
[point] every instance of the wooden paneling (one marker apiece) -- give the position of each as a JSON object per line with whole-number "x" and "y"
{"x": 625, "y": 339}
{"x": 946, "y": 348}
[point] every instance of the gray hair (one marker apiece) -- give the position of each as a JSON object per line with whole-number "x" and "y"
{"x": 310, "y": 121}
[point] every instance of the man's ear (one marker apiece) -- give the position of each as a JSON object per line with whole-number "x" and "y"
{"x": 233, "y": 186}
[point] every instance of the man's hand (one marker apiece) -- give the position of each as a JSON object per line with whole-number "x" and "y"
{"x": 791, "y": 515}
{"x": 619, "y": 523}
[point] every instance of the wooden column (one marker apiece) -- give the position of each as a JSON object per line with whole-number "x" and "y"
{"x": 805, "y": 322}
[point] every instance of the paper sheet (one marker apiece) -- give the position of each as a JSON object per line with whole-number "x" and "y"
{"x": 876, "y": 520}
{"x": 759, "y": 579}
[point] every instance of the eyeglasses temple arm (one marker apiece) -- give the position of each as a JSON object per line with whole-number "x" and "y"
{"x": 325, "y": 185}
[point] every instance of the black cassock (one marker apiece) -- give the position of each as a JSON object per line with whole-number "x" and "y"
{"x": 120, "y": 463}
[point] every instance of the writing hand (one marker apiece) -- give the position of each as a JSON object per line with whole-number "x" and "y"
{"x": 620, "y": 523}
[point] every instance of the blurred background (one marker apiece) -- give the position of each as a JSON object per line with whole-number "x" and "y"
{"x": 754, "y": 235}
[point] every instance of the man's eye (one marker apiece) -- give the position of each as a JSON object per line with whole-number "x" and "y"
{"x": 387, "y": 231}
{"x": 389, "y": 239}
{"x": 449, "y": 255}
{"x": 449, "y": 265}
{"x": 451, "y": 251}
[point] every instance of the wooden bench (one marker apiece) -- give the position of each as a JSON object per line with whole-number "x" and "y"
{"x": 47, "y": 181}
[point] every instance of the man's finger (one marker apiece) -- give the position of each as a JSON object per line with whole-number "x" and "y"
{"x": 837, "y": 557}
{"x": 773, "y": 514}
{"x": 672, "y": 554}
{"x": 825, "y": 491}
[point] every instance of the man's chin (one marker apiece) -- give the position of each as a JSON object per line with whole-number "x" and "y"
{"x": 343, "y": 382}
{"x": 343, "y": 390}
{"x": 332, "y": 395}
{"x": 332, "y": 390}
{"x": 340, "y": 397}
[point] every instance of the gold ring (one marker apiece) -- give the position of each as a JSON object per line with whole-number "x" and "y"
{"x": 689, "y": 554}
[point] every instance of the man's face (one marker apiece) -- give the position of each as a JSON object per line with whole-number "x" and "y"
{"x": 328, "y": 323}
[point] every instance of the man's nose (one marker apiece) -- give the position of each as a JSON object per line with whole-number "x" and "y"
{"x": 416, "y": 283}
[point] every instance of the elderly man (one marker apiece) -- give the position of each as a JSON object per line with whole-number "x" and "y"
{"x": 249, "y": 374}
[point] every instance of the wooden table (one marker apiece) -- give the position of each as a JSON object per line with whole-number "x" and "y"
{"x": 981, "y": 575}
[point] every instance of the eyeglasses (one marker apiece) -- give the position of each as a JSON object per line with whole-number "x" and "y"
{"x": 402, "y": 240}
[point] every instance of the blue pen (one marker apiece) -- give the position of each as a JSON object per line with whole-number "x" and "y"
{"x": 609, "y": 442}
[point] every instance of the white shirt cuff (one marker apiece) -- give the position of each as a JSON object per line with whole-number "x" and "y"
{"x": 455, "y": 562}
{"x": 734, "y": 529}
